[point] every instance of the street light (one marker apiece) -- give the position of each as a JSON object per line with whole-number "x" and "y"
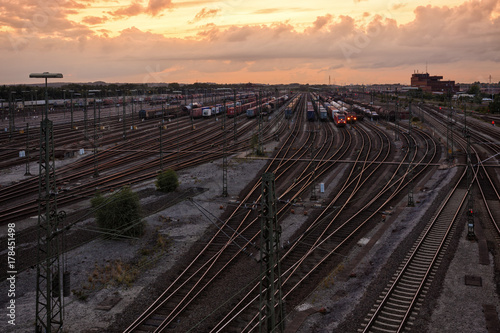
{"x": 49, "y": 306}
{"x": 46, "y": 75}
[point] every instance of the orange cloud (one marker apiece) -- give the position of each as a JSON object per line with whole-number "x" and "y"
{"x": 205, "y": 13}
{"x": 321, "y": 21}
{"x": 153, "y": 8}
{"x": 135, "y": 8}
{"x": 156, "y": 6}
{"x": 457, "y": 42}
{"x": 93, "y": 20}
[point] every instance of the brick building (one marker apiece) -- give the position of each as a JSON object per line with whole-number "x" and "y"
{"x": 433, "y": 83}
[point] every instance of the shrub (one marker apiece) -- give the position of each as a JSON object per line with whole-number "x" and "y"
{"x": 167, "y": 181}
{"x": 119, "y": 214}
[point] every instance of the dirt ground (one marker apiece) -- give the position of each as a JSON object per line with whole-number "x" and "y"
{"x": 106, "y": 275}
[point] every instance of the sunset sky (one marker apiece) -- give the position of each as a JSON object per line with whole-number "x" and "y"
{"x": 233, "y": 41}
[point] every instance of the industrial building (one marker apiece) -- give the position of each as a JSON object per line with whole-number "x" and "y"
{"x": 432, "y": 83}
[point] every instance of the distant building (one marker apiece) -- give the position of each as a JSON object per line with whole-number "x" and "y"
{"x": 433, "y": 84}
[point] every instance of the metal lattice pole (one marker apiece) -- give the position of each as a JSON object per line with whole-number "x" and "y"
{"x": 313, "y": 176}
{"x": 124, "y": 116}
{"x": 449, "y": 136}
{"x": 235, "y": 117}
{"x": 27, "y": 173}
{"x": 49, "y": 306}
{"x": 85, "y": 117}
{"x": 71, "y": 124}
{"x": 396, "y": 120}
{"x": 224, "y": 152}
{"x": 161, "y": 143}
{"x": 411, "y": 202}
{"x": 271, "y": 315}
{"x": 95, "y": 143}
{"x": 192, "y": 109}
{"x": 470, "y": 180}
{"x": 96, "y": 165}
{"x": 260, "y": 149}
{"x": 11, "y": 115}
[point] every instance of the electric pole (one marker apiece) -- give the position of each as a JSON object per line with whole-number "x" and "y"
{"x": 27, "y": 173}
{"x": 449, "y": 136}
{"x": 235, "y": 116}
{"x": 49, "y": 305}
{"x": 470, "y": 181}
{"x": 224, "y": 150}
{"x": 271, "y": 314}
{"x": 411, "y": 203}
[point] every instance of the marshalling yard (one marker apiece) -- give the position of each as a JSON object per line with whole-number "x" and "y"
{"x": 298, "y": 211}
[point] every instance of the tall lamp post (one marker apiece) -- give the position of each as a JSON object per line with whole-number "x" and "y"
{"x": 49, "y": 306}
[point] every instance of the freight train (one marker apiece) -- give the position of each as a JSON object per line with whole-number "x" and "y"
{"x": 310, "y": 114}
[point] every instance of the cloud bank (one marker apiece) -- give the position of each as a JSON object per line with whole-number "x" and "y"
{"x": 461, "y": 43}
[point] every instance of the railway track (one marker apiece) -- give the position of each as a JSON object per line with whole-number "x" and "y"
{"x": 308, "y": 155}
{"x": 234, "y": 319}
{"x": 234, "y": 238}
{"x": 131, "y": 162}
{"x": 115, "y": 160}
{"x": 317, "y": 250}
{"x": 399, "y": 304}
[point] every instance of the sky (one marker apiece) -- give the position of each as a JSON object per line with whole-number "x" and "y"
{"x": 237, "y": 41}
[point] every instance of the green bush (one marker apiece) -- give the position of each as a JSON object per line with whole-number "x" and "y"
{"x": 119, "y": 214}
{"x": 167, "y": 181}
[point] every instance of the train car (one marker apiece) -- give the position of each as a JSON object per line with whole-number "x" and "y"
{"x": 265, "y": 108}
{"x": 240, "y": 108}
{"x": 331, "y": 110}
{"x": 310, "y": 114}
{"x": 231, "y": 112}
{"x": 217, "y": 109}
{"x": 339, "y": 119}
{"x": 196, "y": 113}
{"x": 252, "y": 112}
{"x": 288, "y": 112}
{"x": 323, "y": 115}
{"x": 351, "y": 117}
{"x": 206, "y": 112}
{"x": 149, "y": 114}
{"x": 277, "y": 103}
